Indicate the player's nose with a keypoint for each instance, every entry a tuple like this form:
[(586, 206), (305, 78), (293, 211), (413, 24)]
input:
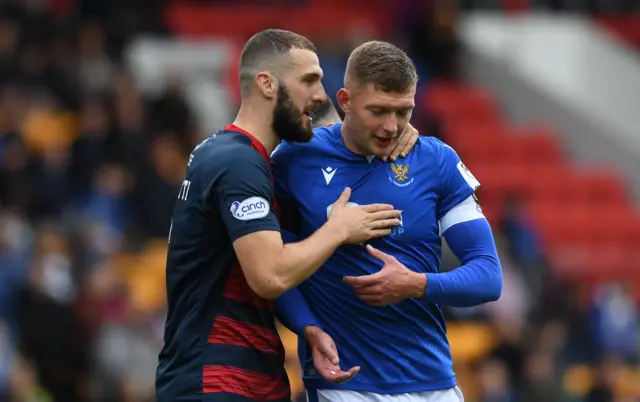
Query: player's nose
[(390, 125), (319, 96)]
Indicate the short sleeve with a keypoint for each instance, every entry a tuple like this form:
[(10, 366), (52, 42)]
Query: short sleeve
[(281, 160), (457, 182), (244, 195)]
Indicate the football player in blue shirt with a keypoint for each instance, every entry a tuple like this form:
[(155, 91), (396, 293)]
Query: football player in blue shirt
[(381, 302)]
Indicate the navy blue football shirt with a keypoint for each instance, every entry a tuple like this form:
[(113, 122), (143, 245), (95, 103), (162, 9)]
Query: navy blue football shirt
[(402, 347), (221, 343)]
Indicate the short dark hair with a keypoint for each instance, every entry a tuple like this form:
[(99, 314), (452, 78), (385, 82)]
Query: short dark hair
[(264, 52), (382, 64)]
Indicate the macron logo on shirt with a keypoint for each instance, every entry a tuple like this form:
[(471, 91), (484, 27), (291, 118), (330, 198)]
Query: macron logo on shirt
[(328, 173)]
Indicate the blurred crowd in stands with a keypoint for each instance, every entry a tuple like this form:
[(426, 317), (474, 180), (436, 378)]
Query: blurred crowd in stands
[(89, 172)]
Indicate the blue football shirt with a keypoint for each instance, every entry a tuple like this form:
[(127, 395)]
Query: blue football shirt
[(402, 347)]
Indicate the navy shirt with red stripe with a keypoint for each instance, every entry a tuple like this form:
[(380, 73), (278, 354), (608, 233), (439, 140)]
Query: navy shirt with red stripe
[(221, 343)]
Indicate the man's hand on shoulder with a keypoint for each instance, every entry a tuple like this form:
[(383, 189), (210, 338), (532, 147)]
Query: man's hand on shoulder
[(392, 284), (325, 356), (404, 144)]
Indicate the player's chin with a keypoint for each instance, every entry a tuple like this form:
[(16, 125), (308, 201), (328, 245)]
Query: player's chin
[(305, 135)]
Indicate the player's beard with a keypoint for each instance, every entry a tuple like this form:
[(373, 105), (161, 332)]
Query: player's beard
[(287, 119)]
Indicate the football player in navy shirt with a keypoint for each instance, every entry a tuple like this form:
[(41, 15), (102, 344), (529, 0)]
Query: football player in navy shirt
[(381, 303), (226, 258)]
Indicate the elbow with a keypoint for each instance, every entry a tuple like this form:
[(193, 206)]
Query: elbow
[(494, 290), (267, 288), (265, 281)]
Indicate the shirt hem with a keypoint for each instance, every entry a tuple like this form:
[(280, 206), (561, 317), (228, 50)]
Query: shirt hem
[(317, 383)]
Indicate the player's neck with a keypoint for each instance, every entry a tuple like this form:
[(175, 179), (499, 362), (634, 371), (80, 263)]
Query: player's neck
[(256, 123), (346, 138)]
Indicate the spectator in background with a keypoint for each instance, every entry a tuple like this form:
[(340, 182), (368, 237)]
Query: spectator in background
[(94, 65), (516, 225), (514, 305), (614, 322), (50, 334), (15, 238), (158, 182), (430, 30), (73, 140), (524, 244), (24, 385), (92, 148), (495, 383), (7, 358)]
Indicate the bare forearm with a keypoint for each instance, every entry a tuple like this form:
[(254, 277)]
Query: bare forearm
[(298, 261), (272, 268)]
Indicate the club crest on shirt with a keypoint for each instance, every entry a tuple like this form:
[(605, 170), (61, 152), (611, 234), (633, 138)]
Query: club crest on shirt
[(399, 174)]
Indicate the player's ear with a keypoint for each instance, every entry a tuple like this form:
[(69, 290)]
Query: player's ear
[(343, 99), (267, 84)]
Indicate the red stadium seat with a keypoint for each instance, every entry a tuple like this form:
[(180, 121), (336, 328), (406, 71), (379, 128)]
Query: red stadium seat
[(496, 181), (240, 21), (472, 130), (588, 264), (631, 233), (494, 149), (554, 184), (585, 218), (492, 210), (537, 147), (609, 227), (604, 187), (624, 27), (460, 103)]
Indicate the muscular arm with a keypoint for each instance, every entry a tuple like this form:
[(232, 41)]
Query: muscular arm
[(243, 192), (271, 267)]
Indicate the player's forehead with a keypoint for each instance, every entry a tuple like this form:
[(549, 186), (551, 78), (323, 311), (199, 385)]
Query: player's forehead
[(303, 62), (373, 96)]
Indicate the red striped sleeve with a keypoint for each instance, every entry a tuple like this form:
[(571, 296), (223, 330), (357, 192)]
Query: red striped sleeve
[(227, 331), (236, 288), (253, 385)]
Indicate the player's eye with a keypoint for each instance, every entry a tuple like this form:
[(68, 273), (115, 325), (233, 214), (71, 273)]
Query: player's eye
[(378, 112), (403, 113), (311, 79)]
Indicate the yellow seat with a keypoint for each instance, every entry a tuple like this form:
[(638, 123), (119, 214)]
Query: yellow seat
[(470, 341), (43, 130), (578, 380), (294, 371), (143, 274)]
